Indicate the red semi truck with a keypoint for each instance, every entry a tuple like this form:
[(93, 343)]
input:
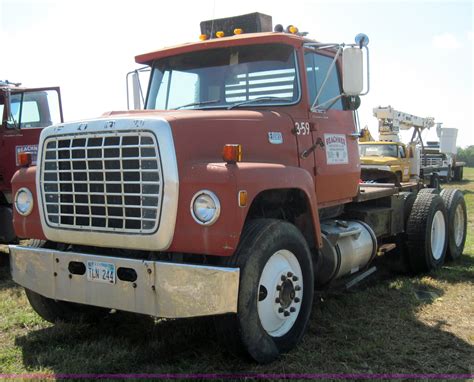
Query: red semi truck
[(25, 112), (235, 193)]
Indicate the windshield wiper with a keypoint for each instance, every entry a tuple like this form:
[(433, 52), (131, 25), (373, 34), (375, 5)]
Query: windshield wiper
[(197, 103), (258, 99)]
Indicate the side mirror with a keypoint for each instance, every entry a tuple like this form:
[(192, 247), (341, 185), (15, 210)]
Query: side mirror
[(137, 92), (352, 71)]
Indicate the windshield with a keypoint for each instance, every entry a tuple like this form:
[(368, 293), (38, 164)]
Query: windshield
[(378, 151), (220, 78)]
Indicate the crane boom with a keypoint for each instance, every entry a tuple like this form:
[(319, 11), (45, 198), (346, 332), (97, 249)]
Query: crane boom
[(391, 121)]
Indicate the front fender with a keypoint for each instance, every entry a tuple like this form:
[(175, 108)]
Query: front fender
[(27, 226), (226, 180)]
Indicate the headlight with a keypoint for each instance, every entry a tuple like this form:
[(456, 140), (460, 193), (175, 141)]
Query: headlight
[(205, 207), (24, 201)]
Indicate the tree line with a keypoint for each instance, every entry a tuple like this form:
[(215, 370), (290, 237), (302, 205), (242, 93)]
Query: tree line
[(466, 155)]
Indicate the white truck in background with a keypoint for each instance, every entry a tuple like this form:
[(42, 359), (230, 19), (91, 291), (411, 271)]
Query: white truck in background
[(442, 154)]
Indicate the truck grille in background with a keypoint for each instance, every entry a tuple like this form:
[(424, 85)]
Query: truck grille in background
[(432, 162), (102, 182)]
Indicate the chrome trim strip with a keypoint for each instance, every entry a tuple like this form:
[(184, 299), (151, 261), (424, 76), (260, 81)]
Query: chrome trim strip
[(161, 289)]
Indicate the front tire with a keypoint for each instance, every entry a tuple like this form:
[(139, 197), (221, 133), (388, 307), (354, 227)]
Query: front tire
[(276, 289), (61, 311)]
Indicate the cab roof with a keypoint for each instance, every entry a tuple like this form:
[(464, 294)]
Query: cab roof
[(236, 40)]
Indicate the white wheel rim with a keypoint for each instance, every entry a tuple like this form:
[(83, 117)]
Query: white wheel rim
[(459, 225), (280, 293), (438, 235)]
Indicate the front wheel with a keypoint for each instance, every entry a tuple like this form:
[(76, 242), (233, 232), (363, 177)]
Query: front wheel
[(276, 289)]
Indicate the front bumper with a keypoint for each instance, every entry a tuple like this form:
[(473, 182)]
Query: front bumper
[(376, 167), (161, 289)]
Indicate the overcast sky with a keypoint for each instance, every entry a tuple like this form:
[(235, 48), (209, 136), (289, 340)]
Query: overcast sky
[(421, 51)]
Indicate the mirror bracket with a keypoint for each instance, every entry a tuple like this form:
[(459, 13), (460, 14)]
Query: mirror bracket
[(7, 112), (352, 102)]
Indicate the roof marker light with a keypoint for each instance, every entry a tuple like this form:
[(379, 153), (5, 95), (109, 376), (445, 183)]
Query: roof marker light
[(203, 37), (220, 34), (278, 28), (292, 29), (238, 31)]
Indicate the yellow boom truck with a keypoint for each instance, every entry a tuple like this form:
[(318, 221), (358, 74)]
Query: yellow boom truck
[(388, 160)]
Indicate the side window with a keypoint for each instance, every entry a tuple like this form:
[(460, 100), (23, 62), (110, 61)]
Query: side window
[(38, 109), (317, 67)]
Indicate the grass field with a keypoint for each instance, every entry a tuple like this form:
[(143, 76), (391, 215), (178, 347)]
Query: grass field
[(390, 324)]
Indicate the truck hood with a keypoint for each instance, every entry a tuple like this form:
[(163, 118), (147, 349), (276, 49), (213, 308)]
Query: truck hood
[(379, 161), (200, 135)]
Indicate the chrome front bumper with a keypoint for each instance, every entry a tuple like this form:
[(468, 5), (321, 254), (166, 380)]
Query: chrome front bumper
[(161, 289)]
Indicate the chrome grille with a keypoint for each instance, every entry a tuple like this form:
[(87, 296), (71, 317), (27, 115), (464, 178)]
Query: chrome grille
[(102, 182), (433, 161)]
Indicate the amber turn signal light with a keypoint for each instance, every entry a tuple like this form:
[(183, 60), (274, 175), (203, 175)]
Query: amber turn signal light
[(242, 198), (232, 153), (24, 159)]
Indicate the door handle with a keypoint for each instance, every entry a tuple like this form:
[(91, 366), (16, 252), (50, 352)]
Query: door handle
[(305, 154)]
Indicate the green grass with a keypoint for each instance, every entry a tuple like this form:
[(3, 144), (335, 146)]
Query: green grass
[(379, 327)]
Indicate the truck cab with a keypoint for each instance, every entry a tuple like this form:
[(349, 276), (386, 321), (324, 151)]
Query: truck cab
[(386, 156), (25, 112)]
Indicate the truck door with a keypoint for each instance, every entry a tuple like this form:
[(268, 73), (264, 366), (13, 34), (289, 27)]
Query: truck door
[(405, 163), (337, 152)]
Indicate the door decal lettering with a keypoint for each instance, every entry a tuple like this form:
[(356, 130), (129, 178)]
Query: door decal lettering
[(336, 149)]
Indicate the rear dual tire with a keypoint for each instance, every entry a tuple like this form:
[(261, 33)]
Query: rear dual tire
[(427, 233), (457, 222)]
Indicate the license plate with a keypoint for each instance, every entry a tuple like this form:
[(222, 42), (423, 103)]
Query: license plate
[(101, 272)]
